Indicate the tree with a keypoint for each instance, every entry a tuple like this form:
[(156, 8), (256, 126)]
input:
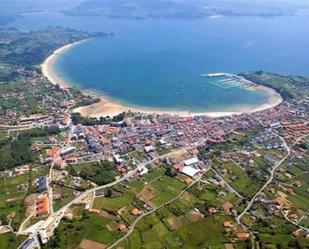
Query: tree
[(108, 193)]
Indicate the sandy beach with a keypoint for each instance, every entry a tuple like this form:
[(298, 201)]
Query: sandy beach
[(108, 107), (111, 108), (47, 66)]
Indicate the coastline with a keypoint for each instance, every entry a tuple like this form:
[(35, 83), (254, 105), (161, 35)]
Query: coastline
[(111, 108), (107, 107), (47, 65)]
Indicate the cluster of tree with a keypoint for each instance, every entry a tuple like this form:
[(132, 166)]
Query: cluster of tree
[(17, 151), (84, 102), (77, 118), (31, 48), (100, 173), (21, 150), (171, 172), (43, 132), (304, 146), (9, 76)]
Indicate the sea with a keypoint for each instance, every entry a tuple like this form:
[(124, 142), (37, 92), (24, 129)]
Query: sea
[(158, 63)]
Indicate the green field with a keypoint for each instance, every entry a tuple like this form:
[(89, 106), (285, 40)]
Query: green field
[(169, 226), (244, 184), (294, 170), (91, 227), (152, 233), (10, 240)]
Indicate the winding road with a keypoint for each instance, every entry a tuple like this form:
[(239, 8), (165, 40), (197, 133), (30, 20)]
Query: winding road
[(276, 166)]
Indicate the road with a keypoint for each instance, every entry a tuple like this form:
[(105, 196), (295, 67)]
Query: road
[(55, 218), (226, 183), (131, 229), (293, 222), (276, 166), (50, 175), (125, 177)]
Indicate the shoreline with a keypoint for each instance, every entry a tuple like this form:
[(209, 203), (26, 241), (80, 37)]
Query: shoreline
[(47, 66), (107, 107)]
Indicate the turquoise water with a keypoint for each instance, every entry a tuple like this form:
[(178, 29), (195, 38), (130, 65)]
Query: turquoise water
[(158, 63)]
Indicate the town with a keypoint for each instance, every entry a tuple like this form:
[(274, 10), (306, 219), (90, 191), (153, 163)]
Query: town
[(150, 179)]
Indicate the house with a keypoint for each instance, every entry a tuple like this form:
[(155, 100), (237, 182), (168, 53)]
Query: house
[(135, 212), (298, 233), (212, 210), (42, 206), (118, 159), (280, 201), (297, 183), (178, 167), (59, 163), (94, 210), (122, 227), (67, 151), (149, 148), (227, 206), (293, 217), (191, 161), (54, 152), (227, 224), (29, 244), (222, 184), (71, 160), (242, 235), (42, 184), (143, 171), (190, 171), (229, 246), (22, 170)]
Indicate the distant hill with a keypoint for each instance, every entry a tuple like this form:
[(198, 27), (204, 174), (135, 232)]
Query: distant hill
[(188, 8), (11, 7), (143, 9)]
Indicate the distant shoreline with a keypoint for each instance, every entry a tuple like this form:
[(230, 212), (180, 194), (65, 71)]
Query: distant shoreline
[(108, 107)]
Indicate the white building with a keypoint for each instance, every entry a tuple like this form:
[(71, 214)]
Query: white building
[(190, 171), (191, 161), (143, 171), (118, 159), (149, 148), (67, 150)]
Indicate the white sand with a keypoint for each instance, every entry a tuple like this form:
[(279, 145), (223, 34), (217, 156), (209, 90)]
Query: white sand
[(47, 66), (112, 108)]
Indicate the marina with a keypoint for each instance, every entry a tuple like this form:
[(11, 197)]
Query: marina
[(227, 80)]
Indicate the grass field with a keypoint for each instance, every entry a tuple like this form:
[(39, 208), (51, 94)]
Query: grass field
[(10, 240), (294, 170), (243, 183), (112, 203), (281, 239), (300, 198), (66, 196), (192, 236), (151, 232), (172, 226), (91, 227), (12, 196)]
